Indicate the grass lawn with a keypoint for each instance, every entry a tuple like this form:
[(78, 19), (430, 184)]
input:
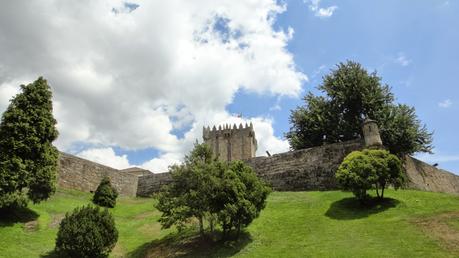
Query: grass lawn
[(294, 224)]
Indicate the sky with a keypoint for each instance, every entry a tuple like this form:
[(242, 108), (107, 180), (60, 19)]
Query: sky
[(134, 82)]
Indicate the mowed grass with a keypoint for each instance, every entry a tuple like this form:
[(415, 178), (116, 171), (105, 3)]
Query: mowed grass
[(294, 224)]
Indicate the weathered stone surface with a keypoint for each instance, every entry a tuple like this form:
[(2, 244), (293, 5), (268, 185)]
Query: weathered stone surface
[(230, 142), (307, 169), (152, 183), (423, 176), (84, 175)]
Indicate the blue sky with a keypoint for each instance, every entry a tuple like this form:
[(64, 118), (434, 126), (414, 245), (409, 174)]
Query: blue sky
[(137, 89), (413, 46)]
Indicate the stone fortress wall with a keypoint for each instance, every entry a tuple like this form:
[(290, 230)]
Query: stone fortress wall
[(84, 175), (307, 169)]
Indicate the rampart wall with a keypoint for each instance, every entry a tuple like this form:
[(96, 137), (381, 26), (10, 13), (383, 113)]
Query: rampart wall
[(422, 176), (307, 169), (149, 184), (84, 175)]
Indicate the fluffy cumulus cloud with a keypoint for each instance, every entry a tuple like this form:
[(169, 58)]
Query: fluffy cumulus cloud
[(105, 156), (130, 74), (321, 12)]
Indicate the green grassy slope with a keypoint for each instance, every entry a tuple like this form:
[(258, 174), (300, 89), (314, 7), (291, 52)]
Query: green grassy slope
[(294, 224)]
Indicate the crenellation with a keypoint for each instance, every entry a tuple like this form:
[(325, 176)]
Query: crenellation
[(230, 142), (306, 169)]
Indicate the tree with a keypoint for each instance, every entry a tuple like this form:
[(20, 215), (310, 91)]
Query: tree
[(105, 194), (241, 197), (363, 170), (28, 160), (350, 95), (188, 196), (86, 232), (229, 194)]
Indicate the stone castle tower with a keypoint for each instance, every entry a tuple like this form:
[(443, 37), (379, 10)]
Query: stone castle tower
[(231, 143)]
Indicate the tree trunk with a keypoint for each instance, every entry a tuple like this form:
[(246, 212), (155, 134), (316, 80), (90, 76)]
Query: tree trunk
[(377, 192), (211, 222), (382, 190), (201, 226)]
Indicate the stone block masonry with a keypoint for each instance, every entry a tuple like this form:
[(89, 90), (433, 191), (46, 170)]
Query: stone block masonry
[(84, 175), (307, 169), (300, 170), (152, 183)]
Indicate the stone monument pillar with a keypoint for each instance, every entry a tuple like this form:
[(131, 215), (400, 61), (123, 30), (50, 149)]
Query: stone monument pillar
[(371, 134)]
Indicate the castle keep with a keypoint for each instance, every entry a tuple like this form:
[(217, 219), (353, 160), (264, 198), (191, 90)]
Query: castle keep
[(231, 143), (299, 170)]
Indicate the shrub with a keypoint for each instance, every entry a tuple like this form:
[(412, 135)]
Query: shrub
[(86, 232), (363, 170), (241, 197), (210, 190), (105, 194)]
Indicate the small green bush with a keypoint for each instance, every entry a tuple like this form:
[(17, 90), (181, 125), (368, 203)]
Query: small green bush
[(363, 170), (105, 194), (86, 232)]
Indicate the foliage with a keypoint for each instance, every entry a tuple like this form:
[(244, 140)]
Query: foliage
[(240, 197), (227, 194), (316, 223), (362, 170), (87, 232), (105, 194), (350, 95), (28, 160)]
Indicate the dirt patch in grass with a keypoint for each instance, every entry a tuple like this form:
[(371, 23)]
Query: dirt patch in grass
[(56, 220), (31, 226), (150, 229), (146, 215), (440, 228)]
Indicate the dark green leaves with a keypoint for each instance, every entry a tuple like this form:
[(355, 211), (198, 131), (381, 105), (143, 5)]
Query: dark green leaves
[(27, 157), (105, 194), (350, 95), (229, 195)]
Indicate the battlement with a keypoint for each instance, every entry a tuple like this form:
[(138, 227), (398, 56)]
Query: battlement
[(230, 142)]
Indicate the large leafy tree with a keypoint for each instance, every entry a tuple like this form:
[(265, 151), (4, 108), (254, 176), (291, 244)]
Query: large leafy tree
[(28, 160), (209, 190), (349, 95)]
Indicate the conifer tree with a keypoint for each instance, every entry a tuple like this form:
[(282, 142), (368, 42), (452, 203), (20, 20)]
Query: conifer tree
[(105, 194), (28, 160)]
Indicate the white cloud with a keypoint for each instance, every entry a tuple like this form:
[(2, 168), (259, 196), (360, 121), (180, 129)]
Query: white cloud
[(314, 5), (105, 156), (402, 60), (445, 103), (162, 163), (128, 78)]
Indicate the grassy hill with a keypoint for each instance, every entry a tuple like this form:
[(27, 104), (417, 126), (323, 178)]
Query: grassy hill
[(294, 224)]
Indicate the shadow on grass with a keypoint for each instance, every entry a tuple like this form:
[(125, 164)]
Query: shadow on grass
[(190, 244), (50, 254), (9, 217), (351, 208)]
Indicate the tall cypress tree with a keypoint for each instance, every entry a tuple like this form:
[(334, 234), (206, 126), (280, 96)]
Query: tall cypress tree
[(28, 160)]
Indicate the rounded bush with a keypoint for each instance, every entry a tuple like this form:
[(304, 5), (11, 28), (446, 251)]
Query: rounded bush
[(105, 194), (86, 232), (366, 169)]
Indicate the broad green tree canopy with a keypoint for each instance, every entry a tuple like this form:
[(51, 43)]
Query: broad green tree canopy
[(351, 94)]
